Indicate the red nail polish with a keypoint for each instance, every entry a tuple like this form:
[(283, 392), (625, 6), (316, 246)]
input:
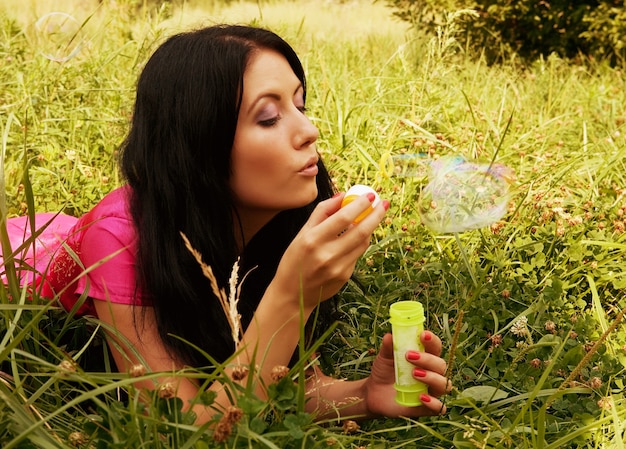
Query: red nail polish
[(386, 204), (428, 336), (371, 197), (424, 398), (419, 373), (336, 194), (413, 355)]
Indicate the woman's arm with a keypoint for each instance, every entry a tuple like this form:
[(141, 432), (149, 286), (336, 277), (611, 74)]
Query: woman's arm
[(318, 262), (374, 396), (134, 332), (267, 341), (315, 266)]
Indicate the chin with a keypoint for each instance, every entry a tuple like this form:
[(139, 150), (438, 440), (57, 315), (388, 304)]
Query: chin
[(306, 199), (313, 195)]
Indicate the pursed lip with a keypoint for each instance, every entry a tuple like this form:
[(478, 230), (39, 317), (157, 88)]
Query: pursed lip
[(310, 168)]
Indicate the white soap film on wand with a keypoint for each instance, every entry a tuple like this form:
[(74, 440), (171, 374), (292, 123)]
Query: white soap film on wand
[(59, 36), (462, 195)]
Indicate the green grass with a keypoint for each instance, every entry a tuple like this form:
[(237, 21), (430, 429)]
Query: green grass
[(556, 258)]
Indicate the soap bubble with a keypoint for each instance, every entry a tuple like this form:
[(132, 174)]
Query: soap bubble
[(59, 36), (463, 195), (404, 165)]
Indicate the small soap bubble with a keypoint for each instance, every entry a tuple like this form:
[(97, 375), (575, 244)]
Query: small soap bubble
[(59, 36), (463, 195), (404, 165)]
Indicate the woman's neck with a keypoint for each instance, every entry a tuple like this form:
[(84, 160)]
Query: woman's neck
[(248, 223)]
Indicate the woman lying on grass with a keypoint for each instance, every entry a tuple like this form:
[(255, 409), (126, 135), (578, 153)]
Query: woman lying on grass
[(220, 151)]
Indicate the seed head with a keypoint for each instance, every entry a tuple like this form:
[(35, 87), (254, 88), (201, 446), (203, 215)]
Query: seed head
[(137, 370), (166, 390), (519, 327), (550, 326), (350, 427), (240, 372), (77, 439), (605, 403), (496, 340), (225, 425), (278, 372), (535, 363), (67, 367), (595, 382)]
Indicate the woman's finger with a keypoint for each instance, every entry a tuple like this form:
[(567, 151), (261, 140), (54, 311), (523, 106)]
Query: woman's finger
[(438, 384), (432, 343), (433, 405), (332, 220)]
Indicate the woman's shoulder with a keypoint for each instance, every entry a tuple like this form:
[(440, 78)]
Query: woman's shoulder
[(109, 218), (104, 240), (114, 204)]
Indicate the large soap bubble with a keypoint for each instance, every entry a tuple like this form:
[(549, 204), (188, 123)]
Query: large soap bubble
[(463, 195), (59, 36)]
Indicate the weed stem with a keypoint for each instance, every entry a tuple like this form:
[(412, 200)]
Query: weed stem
[(585, 360)]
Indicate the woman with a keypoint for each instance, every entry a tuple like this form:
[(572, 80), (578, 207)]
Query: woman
[(220, 151)]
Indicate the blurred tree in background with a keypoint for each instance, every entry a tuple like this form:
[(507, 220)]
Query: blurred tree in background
[(528, 28)]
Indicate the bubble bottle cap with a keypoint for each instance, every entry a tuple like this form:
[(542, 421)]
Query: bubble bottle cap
[(358, 190)]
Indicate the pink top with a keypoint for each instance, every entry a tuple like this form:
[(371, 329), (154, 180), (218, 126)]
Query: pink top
[(94, 255)]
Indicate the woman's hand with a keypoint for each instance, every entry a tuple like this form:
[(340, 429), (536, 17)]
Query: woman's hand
[(322, 257), (379, 393)]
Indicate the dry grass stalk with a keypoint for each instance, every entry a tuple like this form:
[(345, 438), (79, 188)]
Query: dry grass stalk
[(585, 360), (455, 342), (228, 303)]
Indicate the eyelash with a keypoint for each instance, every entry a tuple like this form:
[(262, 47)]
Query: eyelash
[(271, 122)]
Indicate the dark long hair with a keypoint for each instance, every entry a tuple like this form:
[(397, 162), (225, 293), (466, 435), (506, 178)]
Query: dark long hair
[(177, 161)]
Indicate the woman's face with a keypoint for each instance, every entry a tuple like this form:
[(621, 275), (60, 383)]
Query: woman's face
[(274, 158)]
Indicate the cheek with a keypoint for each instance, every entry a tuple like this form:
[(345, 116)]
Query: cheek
[(252, 178), (255, 168), (252, 151), (258, 157)]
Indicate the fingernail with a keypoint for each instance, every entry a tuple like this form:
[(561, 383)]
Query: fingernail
[(428, 336), (336, 194), (371, 197), (386, 204), (424, 397), (413, 355), (419, 373)]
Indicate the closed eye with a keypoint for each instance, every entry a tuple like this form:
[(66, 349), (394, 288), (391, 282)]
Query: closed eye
[(269, 122)]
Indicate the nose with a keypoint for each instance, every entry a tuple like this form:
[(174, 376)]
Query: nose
[(307, 132)]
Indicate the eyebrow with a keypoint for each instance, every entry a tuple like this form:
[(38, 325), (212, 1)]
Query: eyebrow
[(273, 95)]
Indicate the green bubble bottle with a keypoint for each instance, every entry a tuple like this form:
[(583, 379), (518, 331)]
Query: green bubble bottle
[(407, 323)]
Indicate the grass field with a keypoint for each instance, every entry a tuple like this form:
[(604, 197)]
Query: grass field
[(530, 307)]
